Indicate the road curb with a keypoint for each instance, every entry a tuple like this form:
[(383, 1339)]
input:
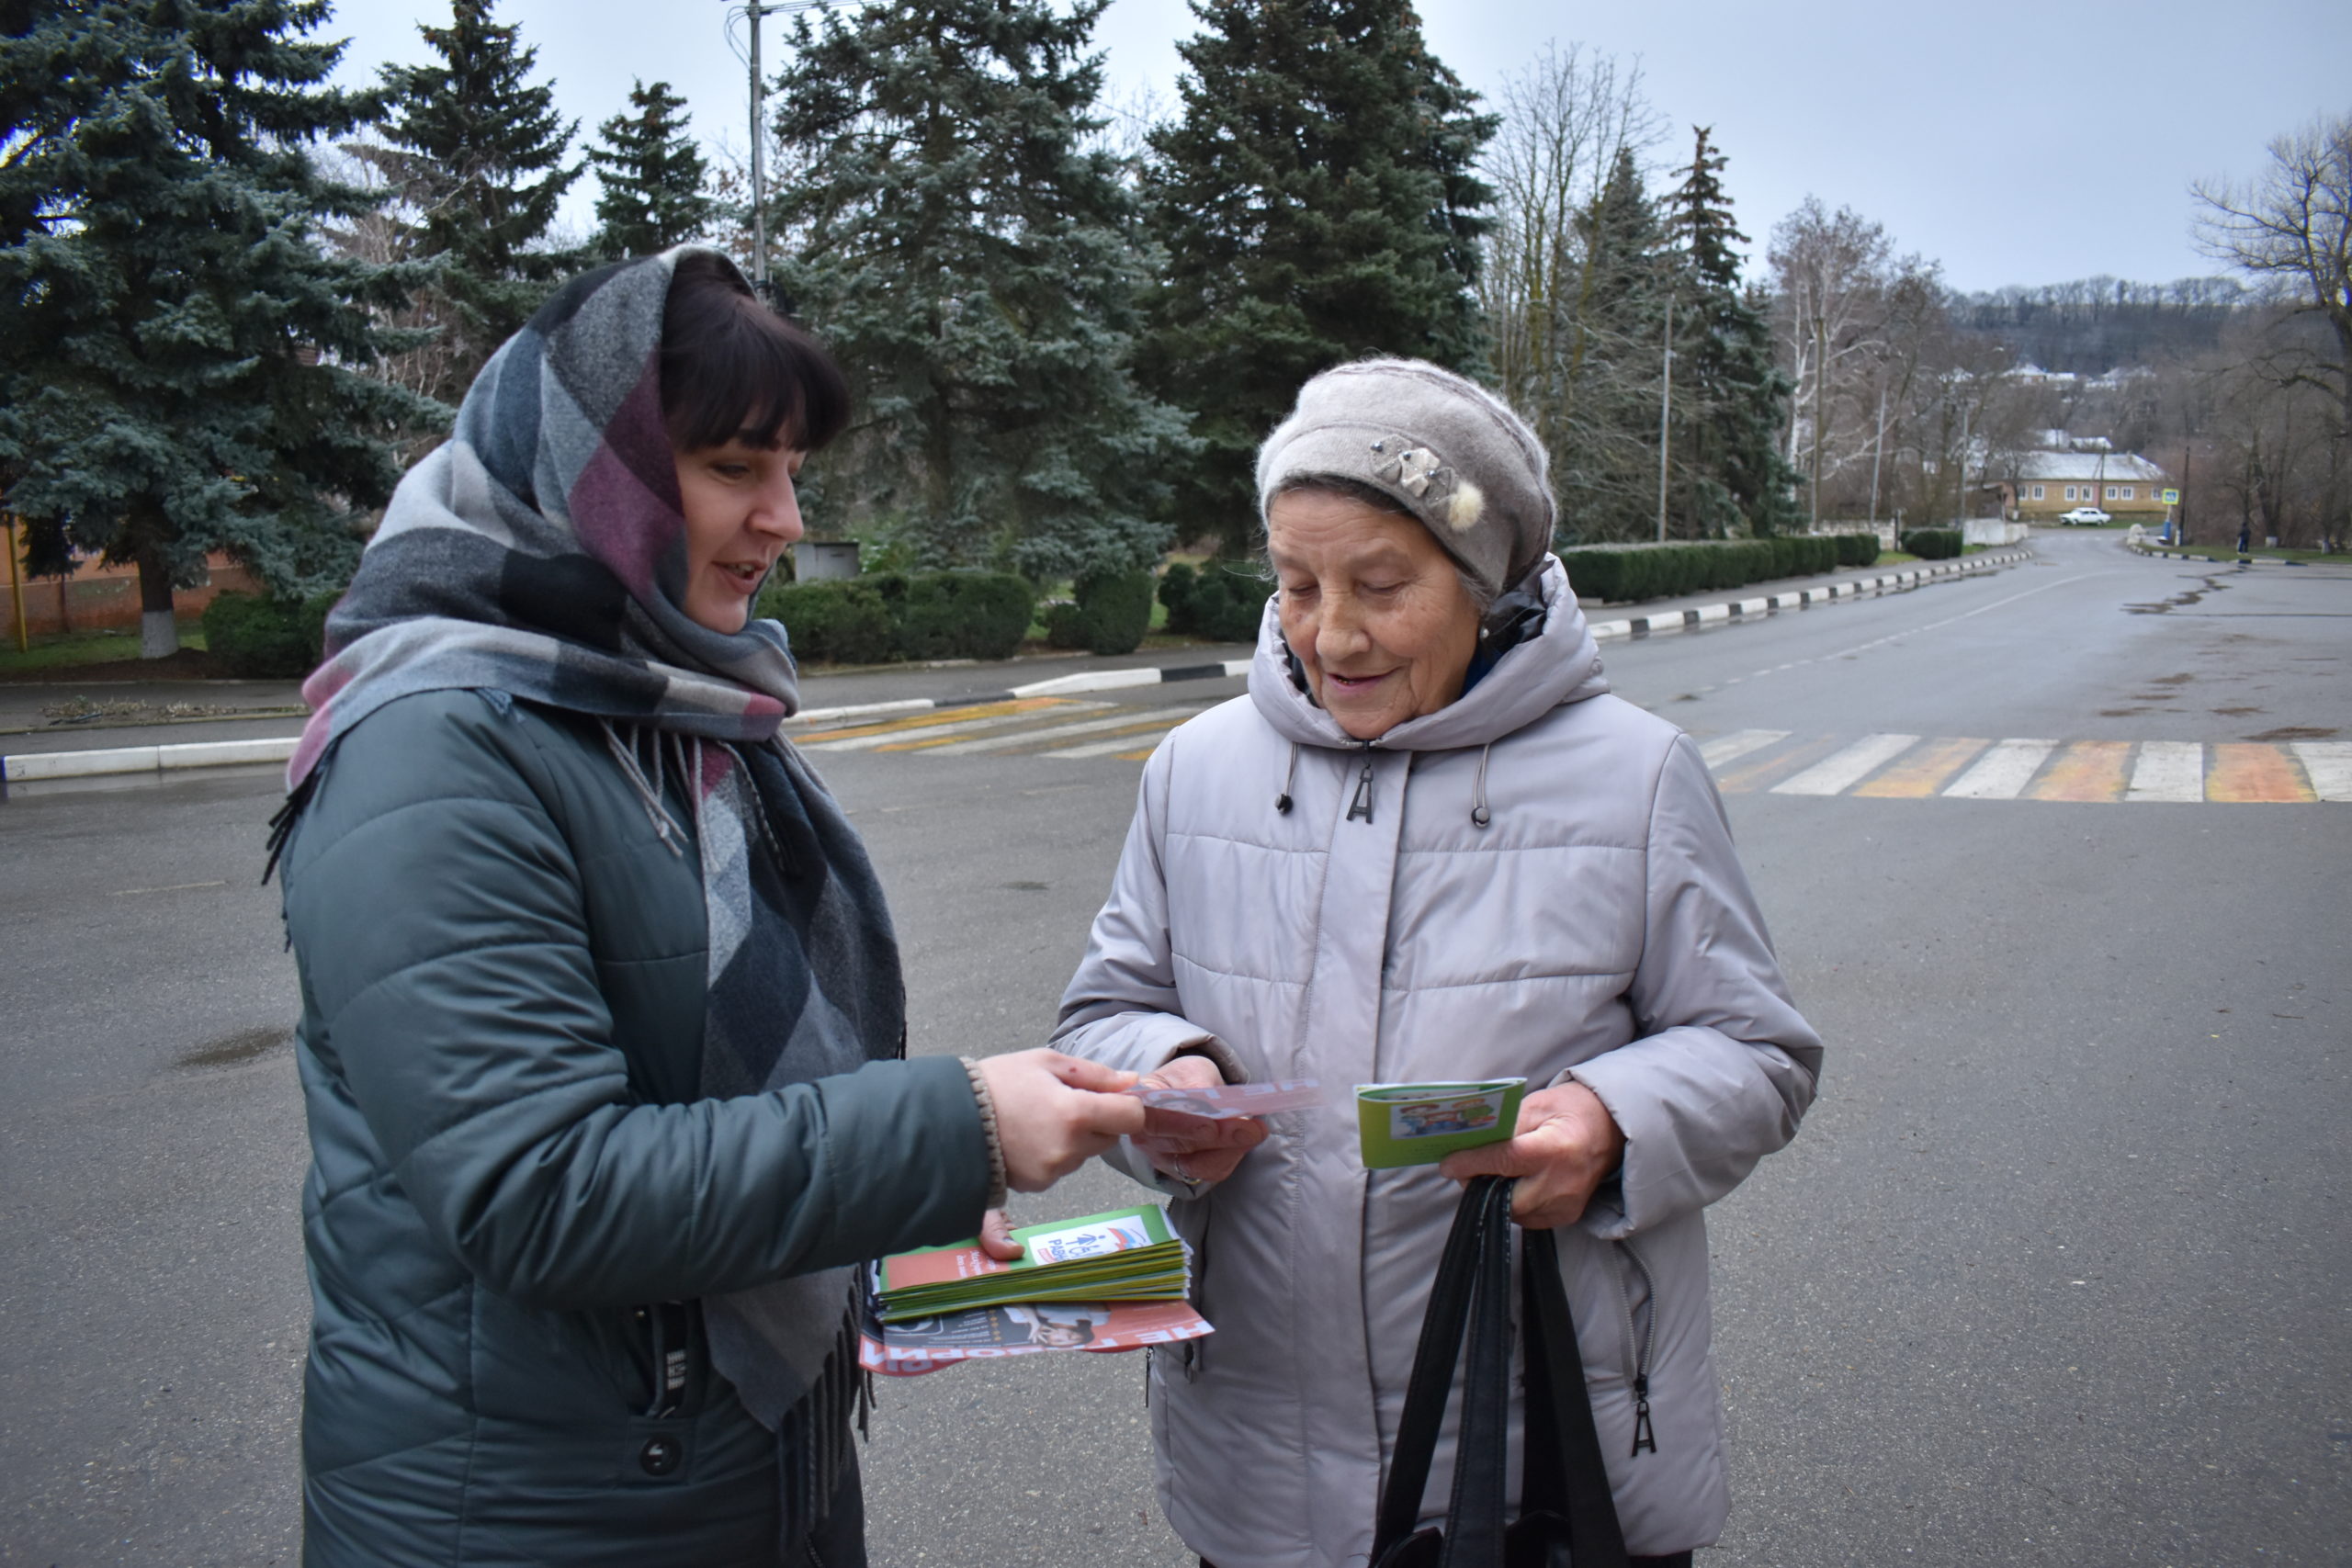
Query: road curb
[(2215, 561), (37, 765), (1801, 598)]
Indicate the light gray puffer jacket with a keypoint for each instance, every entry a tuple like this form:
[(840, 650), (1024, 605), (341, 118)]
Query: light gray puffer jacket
[(1598, 926)]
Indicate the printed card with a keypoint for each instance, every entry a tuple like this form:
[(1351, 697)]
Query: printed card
[(1402, 1124), (1222, 1101)]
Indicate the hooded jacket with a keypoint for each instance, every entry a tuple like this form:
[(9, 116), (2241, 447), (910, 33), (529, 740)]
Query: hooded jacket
[(1536, 880)]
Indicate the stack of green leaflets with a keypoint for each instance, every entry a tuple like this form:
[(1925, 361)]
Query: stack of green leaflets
[(1127, 1254), (1420, 1123)]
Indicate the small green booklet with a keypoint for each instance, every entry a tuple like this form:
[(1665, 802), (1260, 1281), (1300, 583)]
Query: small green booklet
[(1127, 1254), (1420, 1123)]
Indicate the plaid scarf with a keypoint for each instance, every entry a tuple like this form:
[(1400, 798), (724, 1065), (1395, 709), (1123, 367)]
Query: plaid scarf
[(541, 552)]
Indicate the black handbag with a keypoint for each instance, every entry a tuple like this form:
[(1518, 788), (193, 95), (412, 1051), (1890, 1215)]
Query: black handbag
[(1567, 1516)]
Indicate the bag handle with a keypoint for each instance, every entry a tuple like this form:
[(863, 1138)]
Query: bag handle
[(1565, 1473), (1433, 1378), (1474, 1524)]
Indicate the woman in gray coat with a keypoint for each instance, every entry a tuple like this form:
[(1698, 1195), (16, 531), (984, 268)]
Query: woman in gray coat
[(603, 1041), (1428, 845)]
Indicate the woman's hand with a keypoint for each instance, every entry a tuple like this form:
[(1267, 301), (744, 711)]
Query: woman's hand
[(1055, 1112), (1196, 1149), (1566, 1144), (996, 1236)]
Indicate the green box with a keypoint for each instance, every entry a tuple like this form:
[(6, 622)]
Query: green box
[(1420, 1123)]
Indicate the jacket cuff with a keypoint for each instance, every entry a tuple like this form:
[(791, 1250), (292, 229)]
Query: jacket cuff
[(987, 1103)]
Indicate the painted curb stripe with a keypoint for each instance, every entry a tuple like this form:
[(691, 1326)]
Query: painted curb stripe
[(144, 759)]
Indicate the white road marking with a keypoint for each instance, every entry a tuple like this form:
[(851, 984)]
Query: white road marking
[(2169, 770), (1023, 737), (1739, 743), (928, 731), (1836, 773), (1110, 747), (2329, 765), (2002, 773)]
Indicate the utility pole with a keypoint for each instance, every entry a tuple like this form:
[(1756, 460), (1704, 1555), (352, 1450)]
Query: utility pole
[(1820, 407), (1960, 494), (1878, 453), (1665, 414), (753, 12)]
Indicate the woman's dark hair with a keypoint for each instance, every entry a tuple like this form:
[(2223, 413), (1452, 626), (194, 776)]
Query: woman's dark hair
[(731, 366)]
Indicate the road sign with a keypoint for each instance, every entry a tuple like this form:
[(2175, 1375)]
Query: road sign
[(2171, 498)]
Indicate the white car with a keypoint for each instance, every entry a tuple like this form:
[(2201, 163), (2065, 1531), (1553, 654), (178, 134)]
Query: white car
[(2086, 517)]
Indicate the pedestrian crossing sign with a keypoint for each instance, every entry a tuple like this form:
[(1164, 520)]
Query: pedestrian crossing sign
[(2171, 498)]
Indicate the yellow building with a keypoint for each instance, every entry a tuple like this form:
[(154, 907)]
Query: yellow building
[(2048, 484)]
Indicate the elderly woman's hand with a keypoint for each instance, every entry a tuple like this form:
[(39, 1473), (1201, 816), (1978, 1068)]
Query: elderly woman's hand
[(1566, 1144), (1195, 1148)]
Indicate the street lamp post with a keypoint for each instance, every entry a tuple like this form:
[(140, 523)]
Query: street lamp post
[(753, 12)]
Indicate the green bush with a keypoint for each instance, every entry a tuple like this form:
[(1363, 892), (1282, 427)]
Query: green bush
[(1219, 603), (1628, 573), (267, 640), (845, 621), (1112, 612), (1932, 543), (965, 614), (1856, 549)]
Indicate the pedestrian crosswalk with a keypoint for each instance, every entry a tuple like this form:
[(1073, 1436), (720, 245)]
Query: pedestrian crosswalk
[(1890, 765), (1898, 766)]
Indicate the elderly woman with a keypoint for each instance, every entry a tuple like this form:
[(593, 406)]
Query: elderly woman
[(603, 1034), (1428, 845)]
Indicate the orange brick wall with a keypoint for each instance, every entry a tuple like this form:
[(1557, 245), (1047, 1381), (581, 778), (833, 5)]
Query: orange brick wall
[(106, 598)]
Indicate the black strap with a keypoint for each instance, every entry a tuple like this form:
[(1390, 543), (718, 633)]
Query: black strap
[(1474, 1525), (1565, 1476), (1565, 1473), (1433, 1378)]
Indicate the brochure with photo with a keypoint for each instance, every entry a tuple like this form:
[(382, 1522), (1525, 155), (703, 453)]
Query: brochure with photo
[(1125, 1255), (1420, 1123), (915, 1346)]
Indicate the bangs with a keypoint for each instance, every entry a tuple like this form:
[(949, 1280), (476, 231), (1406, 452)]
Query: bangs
[(732, 368)]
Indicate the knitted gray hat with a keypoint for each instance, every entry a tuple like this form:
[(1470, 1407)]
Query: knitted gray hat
[(1444, 449)]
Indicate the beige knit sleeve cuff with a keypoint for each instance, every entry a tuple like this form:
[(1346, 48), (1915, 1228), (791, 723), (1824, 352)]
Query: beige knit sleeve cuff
[(986, 1103)]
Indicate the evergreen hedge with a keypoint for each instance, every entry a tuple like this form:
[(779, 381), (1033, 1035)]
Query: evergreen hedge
[(267, 640), (1112, 615), (1622, 572), (1219, 603), (1856, 549), (1933, 544), (890, 616)]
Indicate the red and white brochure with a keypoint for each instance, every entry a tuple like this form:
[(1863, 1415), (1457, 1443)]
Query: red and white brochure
[(909, 1349)]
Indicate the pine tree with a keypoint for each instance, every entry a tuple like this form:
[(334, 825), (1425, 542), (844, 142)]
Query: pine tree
[(477, 155), (1732, 397), (953, 237), (1318, 203), (1604, 451), (653, 177), (180, 366)]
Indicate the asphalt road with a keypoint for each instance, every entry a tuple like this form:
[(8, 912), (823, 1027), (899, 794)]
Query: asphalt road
[(2056, 1273)]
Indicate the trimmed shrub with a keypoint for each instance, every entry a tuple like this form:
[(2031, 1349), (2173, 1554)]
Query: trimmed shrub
[(845, 621), (1856, 549), (1218, 602), (267, 640), (1627, 573), (965, 614), (1933, 544), (1112, 615)]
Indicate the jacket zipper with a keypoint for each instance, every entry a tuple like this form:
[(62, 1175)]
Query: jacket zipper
[(1643, 1326), (1361, 804)]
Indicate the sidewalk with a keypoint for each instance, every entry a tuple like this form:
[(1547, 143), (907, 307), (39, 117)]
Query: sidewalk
[(255, 725)]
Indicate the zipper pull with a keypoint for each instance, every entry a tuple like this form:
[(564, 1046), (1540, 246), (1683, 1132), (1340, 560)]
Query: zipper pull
[(1361, 804), (1644, 1438)]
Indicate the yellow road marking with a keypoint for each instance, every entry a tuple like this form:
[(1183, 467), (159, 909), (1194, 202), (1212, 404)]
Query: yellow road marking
[(936, 715), (2085, 770), (2255, 774), (1739, 781), (1926, 772)]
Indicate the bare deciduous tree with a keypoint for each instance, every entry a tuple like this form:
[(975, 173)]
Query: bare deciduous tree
[(2292, 226)]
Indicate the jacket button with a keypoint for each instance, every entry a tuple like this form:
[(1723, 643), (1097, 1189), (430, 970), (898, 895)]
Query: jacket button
[(660, 1456)]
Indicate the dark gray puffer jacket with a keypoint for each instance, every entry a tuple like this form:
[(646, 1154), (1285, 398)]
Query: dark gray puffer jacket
[(503, 983)]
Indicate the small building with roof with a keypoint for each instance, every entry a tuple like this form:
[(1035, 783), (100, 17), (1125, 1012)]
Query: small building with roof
[(2041, 486)]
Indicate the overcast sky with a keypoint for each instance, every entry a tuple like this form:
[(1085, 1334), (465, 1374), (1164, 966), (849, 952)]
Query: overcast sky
[(2012, 140)]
